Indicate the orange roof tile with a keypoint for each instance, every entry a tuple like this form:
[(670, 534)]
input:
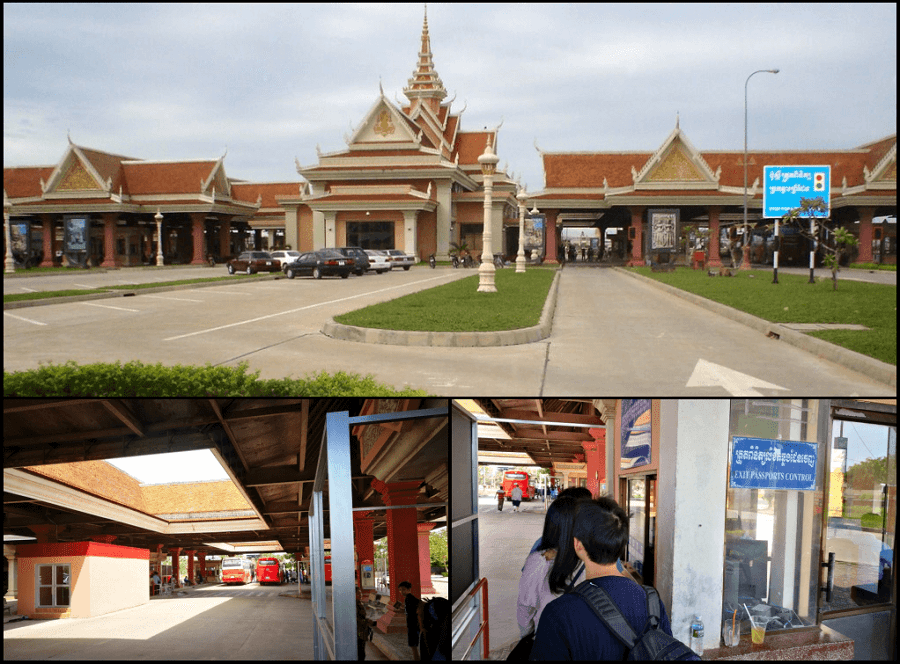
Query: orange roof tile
[(181, 177), (25, 181), (184, 497), (98, 478)]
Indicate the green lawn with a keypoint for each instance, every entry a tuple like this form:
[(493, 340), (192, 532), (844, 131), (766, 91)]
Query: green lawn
[(458, 307), (794, 300)]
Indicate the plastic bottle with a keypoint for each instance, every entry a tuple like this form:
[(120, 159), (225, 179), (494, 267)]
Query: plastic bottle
[(697, 635)]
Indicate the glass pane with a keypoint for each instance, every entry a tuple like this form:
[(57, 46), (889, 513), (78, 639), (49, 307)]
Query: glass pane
[(45, 575), (861, 513), (46, 596), (772, 535), (62, 575), (62, 596), (636, 523)]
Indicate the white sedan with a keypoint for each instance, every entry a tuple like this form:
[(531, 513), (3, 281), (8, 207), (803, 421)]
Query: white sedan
[(378, 261), (399, 259), (283, 257)]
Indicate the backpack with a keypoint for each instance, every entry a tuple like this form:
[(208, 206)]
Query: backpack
[(653, 643)]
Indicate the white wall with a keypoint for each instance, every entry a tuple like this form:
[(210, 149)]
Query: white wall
[(691, 512)]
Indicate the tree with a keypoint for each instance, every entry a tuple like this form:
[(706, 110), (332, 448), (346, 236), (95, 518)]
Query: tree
[(438, 541), (832, 245)]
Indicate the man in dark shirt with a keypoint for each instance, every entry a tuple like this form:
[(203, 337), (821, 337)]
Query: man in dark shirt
[(569, 628), (411, 603)]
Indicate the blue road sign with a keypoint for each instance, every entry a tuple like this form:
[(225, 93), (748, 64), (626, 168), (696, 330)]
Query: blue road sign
[(784, 186)]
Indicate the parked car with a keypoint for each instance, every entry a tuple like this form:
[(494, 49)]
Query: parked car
[(284, 256), (400, 259), (360, 259), (253, 261), (378, 260), (320, 263)]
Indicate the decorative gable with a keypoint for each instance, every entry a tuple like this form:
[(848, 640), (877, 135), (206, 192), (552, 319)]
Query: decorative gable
[(383, 124), (676, 164), (77, 178)]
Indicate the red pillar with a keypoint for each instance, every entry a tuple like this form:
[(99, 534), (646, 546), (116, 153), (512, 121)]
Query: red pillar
[(865, 234), (425, 557), (198, 222), (637, 242), (714, 259), (176, 566), (225, 239), (364, 538), (202, 556), (190, 561), (403, 547), (44, 534), (109, 240), (550, 234), (105, 539), (47, 237), (595, 456)]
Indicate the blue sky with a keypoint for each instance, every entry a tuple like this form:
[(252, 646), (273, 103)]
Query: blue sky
[(271, 82)]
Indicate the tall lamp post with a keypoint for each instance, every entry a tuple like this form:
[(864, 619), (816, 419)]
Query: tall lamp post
[(488, 162), (520, 257), (9, 263), (745, 259), (159, 239)]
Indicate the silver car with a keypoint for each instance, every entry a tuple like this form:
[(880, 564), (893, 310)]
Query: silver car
[(400, 259), (284, 256), (378, 261)]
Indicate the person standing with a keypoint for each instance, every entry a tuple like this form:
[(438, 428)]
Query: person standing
[(411, 603), (516, 497), (501, 494), (363, 627)]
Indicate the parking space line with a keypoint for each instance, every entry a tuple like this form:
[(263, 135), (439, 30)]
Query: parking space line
[(178, 299), (106, 306), (27, 320), (293, 311)]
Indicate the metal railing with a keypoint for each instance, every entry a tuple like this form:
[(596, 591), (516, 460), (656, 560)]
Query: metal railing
[(483, 626)]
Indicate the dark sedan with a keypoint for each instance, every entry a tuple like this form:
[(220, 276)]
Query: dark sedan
[(253, 261), (320, 264)]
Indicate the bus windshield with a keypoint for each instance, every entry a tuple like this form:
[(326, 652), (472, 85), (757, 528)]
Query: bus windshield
[(232, 562), (268, 562)]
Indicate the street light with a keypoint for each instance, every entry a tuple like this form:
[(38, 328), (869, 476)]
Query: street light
[(520, 257), (159, 239), (488, 162), (745, 259)]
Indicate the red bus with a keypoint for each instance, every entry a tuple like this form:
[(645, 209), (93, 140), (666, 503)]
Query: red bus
[(512, 478), (237, 570), (328, 566), (269, 570)]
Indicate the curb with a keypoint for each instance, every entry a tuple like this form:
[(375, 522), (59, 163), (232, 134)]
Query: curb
[(850, 359), (525, 335), (24, 304)]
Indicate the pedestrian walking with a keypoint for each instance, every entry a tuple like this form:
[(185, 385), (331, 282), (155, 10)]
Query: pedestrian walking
[(516, 496), (501, 494)]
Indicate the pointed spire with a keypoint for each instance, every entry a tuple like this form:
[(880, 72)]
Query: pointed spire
[(425, 86)]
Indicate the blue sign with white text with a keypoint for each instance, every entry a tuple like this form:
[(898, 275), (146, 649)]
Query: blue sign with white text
[(784, 186), (765, 463)]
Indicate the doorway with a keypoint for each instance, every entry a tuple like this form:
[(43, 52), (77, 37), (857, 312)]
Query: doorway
[(638, 498)]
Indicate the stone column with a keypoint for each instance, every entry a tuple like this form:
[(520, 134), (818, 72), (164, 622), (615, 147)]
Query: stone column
[(714, 259), (410, 236), (637, 244), (363, 536), (423, 530), (595, 456), (11, 586), (550, 235), (176, 552), (109, 240), (403, 548), (865, 234), (198, 223), (47, 240), (190, 561), (330, 229)]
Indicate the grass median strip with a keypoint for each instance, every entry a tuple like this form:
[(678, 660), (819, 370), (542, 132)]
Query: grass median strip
[(794, 300), (42, 295), (458, 307)]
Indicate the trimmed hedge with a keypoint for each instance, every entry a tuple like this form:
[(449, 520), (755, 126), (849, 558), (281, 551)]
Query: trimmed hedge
[(135, 379)]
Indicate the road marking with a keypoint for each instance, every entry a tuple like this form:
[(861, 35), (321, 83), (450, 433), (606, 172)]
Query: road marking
[(30, 290), (85, 286), (27, 320), (178, 299), (106, 306), (293, 311), (734, 382)]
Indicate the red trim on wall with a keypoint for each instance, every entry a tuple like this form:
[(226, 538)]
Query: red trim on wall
[(78, 549)]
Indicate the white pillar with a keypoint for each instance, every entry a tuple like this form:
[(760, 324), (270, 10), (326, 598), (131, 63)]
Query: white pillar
[(318, 230), (692, 484), (443, 216), (330, 229), (410, 244), (488, 161)]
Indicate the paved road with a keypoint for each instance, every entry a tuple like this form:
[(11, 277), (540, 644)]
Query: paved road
[(249, 622), (611, 335)]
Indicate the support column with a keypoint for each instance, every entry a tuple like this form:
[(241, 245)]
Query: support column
[(190, 561), (44, 534), (198, 223), (714, 259), (202, 557), (403, 548), (47, 240), (12, 577), (550, 235), (364, 538), (410, 237), (865, 234), (423, 530), (109, 241), (330, 229), (176, 564), (595, 456), (225, 239), (637, 242)]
